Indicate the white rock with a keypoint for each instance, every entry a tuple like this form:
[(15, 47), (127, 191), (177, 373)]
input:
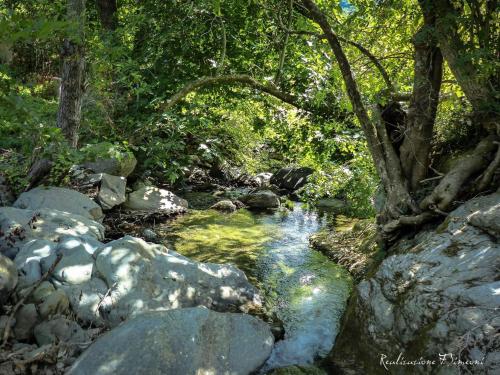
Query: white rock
[(146, 277), (60, 199), (150, 198)]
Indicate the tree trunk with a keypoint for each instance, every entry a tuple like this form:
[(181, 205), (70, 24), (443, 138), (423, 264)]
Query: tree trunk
[(428, 72), (72, 77), (476, 89), (386, 160), (107, 14)]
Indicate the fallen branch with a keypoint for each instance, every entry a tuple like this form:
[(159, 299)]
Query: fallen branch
[(45, 276)]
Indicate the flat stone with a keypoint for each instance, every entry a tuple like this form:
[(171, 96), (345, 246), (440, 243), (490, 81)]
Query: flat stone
[(181, 341), (60, 199)]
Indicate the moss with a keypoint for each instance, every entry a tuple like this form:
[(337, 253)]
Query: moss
[(209, 236)]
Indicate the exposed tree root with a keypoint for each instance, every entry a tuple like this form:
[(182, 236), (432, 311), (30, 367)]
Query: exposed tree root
[(448, 188)]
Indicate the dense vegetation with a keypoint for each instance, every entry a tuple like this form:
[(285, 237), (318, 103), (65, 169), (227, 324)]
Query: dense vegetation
[(368, 93)]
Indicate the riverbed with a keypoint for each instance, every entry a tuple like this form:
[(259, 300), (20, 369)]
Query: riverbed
[(301, 287)]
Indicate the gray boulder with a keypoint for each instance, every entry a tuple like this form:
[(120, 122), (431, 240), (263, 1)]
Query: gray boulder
[(55, 303), (112, 191), (291, 179), (145, 276), (86, 299), (60, 330), (18, 227), (150, 198), (26, 319), (112, 161), (263, 179), (437, 294), (8, 278), (261, 199), (183, 341), (60, 199), (224, 206)]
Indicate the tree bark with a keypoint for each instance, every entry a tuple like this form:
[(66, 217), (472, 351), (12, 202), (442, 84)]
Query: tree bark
[(460, 60), (399, 201), (107, 10), (428, 73), (72, 77)]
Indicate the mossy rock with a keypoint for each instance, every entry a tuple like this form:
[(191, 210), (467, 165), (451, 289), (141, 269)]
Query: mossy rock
[(109, 158)]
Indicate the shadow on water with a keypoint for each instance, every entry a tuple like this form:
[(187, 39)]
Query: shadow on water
[(304, 289)]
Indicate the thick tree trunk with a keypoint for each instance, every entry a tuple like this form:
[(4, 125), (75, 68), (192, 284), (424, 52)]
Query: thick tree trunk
[(72, 77), (474, 85), (108, 14), (428, 72), (386, 160)]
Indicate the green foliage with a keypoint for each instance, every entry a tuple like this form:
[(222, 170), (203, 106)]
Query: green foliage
[(355, 181)]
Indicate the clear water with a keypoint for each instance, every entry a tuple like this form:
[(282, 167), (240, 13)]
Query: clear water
[(305, 290)]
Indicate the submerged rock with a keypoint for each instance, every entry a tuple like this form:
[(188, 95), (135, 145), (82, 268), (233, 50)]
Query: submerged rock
[(60, 199), (145, 276), (437, 294), (182, 341), (261, 199), (150, 198)]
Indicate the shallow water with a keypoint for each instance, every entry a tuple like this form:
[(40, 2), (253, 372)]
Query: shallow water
[(305, 290)]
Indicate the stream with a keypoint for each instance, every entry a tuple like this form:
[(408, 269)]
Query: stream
[(302, 287)]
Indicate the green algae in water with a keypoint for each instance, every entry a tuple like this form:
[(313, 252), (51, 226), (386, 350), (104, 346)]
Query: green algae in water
[(211, 236)]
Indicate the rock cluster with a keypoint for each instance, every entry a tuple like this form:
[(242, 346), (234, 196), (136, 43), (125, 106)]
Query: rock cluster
[(142, 291)]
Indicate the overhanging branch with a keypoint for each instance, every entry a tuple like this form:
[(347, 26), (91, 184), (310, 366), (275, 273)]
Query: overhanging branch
[(245, 80)]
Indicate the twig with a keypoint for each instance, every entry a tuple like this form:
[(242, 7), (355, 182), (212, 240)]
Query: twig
[(22, 300)]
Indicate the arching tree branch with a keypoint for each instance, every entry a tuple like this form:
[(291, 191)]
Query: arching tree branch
[(249, 81)]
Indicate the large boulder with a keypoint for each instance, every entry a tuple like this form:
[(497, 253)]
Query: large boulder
[(182, 341), (112, 191), (18, 227), (8, 278), (143, 276), (438, 294), (107, 158), (261, 199), (60, 199), (291, 179), (153, 199)]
